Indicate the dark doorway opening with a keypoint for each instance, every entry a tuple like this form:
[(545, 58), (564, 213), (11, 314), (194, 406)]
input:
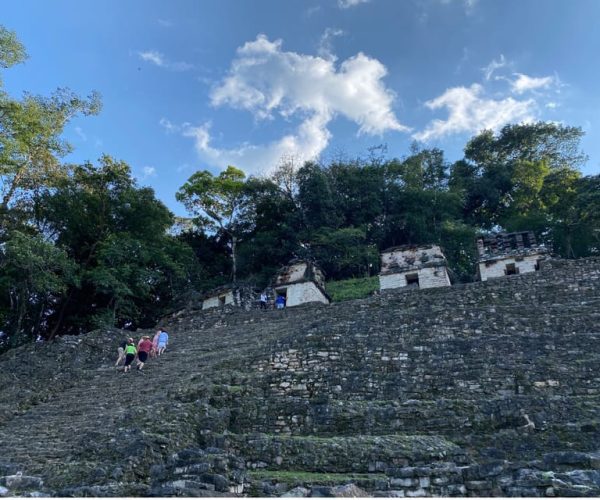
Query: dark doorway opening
[(412, 280)]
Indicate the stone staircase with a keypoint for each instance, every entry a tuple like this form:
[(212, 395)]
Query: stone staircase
[(481, 389)]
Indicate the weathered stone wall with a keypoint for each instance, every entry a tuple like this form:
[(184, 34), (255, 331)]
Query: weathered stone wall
[(429, 277), (302, 293), (503, 341), (405, 258), (211, 302), (497, 268), (489, 388), (294, 272)]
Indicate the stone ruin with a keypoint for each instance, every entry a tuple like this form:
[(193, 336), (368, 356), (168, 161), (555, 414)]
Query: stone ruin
[(236, 295), (301, 282), (412, 266), (484, 389), (504, 254)]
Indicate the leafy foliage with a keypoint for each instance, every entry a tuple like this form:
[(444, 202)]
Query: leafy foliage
[(353, 288), (83, 246)]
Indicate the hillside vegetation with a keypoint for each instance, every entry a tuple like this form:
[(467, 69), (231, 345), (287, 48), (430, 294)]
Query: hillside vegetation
[(85, 246), (353, 288)]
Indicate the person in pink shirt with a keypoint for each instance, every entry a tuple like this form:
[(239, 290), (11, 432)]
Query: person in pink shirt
[(154, 351), (144, 348)]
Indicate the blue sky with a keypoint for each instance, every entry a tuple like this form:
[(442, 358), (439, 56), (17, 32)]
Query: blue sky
[(191, 85)]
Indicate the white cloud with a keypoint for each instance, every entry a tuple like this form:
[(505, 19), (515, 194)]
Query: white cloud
[(469, 5), (525, 83), (470, 111), (325, 44), (489, 70), (148, 172), (165, 23), (81, 134), (168, 126), (264, 79), (153, 57), (269, 83), (346, 4), (158, 59), (307, 143), (312, 10)]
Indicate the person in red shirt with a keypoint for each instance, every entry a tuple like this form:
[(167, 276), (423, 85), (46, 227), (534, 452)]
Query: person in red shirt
[(144, 348)]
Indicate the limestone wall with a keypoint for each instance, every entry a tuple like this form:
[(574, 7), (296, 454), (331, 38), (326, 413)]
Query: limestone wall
[(406, 258), (525, 343), (214, 301), (496, 268), (302, 293), (295, 272), (429, 277)]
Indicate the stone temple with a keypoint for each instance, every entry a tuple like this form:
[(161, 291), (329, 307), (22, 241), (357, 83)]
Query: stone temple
[(413, 267), (504, 254), (301, 282), (238, 295)]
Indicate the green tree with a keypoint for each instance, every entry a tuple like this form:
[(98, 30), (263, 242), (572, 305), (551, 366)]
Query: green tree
[(34, 274), (272, 229), (316, 198), (345, 253), (487, 176), (129, 268), (30, 133), (12, 51), (523, 207), (218, 204)]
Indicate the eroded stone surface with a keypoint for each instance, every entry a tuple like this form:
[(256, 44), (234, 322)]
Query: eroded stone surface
[(488, 389)]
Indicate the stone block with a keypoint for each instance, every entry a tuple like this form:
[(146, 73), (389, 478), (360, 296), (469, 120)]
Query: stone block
[(19, 482), (416, 493), (424, 482), (348, 491), (321, 491), (406, 482), (567, 458), (299, 491), (478, 485), (393, 494)]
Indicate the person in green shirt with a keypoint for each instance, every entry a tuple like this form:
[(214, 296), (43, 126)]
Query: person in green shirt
[(130, 352)]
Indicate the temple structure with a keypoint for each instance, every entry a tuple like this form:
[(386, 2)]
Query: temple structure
[(503, 254), (239, 295), (301, 282), (413, 266)]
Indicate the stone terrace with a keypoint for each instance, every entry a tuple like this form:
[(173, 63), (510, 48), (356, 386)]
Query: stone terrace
[(481, 389)]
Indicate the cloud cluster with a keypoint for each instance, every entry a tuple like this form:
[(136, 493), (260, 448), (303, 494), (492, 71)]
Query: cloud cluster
[(147, 172), (269, 82), (311, 90), (158, 59), (470, 111), (525, 83), (489, 70), (346, 4)]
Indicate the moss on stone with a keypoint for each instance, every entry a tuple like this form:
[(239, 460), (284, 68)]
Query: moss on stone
[(303, 477)]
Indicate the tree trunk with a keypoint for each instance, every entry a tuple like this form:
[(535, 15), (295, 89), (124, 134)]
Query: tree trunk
[(61, 315), (233, 258), (22, 309)]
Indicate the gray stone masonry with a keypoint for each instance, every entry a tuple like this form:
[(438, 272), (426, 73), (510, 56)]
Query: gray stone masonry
[(485, 389)]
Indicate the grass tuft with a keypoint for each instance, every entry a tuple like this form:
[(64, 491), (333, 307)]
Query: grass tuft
[(355, 288)]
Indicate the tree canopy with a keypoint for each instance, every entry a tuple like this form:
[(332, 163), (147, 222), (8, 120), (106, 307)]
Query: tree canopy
[(84, 246)]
